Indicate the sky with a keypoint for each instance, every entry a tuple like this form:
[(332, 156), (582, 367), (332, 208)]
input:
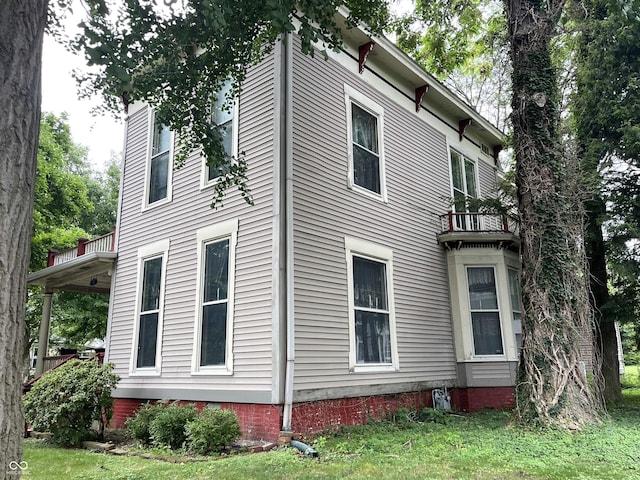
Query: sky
[(59, 94)]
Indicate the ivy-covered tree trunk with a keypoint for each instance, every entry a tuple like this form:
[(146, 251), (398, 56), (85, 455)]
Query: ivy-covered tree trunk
[(22, 24), (552, 387)]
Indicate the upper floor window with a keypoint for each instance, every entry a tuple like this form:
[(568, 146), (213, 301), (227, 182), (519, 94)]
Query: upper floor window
[(464, 184), (151, 274), (159, 167), (365, 136), (371, 312), (485, 314), (224, 115), (214, 319)]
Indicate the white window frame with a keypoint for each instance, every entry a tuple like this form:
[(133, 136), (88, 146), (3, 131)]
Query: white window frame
[(501, 316), (352, 96), (147, 178), (476, 179), (148, 252), (220, 231), (515, 308), (378, 253), (204, 171)]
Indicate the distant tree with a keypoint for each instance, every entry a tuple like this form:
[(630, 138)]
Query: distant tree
[(72, 201), (606, 107)]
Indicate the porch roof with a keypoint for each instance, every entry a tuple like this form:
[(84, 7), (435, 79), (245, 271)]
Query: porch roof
[(90, 272)]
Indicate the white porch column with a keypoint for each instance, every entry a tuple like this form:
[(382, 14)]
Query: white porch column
[(43, 339)]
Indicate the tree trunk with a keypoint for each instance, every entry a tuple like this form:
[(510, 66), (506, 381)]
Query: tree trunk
[(552, 387), (605, 337), (22, 24)]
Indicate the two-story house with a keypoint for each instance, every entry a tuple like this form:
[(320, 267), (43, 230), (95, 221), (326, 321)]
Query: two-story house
[(346, 289)]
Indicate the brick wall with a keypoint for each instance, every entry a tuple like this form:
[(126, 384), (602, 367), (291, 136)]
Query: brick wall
[(263, 422), (314, 417), (257, 422), (474, 399)]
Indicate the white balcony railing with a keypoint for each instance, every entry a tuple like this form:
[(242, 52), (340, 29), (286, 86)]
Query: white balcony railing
[(105, 243)]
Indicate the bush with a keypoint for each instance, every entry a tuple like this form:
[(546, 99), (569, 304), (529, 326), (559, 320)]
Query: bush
[(167, 428), (66, 401), (138, 425), (212, 430)]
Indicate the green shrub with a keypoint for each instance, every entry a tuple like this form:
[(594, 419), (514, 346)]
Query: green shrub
[(212, 430), (167, 428), (138, 425), (66, 401)]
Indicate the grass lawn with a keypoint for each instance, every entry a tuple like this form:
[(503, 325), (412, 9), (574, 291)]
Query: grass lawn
[(481, 446)]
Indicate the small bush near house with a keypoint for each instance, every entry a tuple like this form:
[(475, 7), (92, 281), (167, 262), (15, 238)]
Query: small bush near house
[(138, 425), (67, 400), (168, 427), (212, 431)]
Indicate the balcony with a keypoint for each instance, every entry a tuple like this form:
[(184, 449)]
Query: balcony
[(85, 267), (473, 229)]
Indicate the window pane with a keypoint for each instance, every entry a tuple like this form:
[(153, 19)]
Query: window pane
[(373, 339), (364, 128), (482, 288), (369, 284), (223, 105), (214, 336), (216, 271), (147, 339), (470, 176), (159, 177), (487, 338), (514, 290), (366, 169), (161, 138), (456, 171), (152, 274)]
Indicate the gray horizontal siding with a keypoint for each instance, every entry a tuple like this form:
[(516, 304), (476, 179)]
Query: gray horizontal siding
[(325, 211), (179, 221), (487, 178)]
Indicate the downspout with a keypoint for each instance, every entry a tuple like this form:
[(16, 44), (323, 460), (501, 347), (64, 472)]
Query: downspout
[(116, 239), (290, 314)]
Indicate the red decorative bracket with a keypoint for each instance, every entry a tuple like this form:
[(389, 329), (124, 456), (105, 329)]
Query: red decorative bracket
[(365, 50), (496, 151), (462, 126), (420, 91)]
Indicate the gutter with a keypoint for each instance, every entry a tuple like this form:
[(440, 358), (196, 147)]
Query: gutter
[(288, 207)]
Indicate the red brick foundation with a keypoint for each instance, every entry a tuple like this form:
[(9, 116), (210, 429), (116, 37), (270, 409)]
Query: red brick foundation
[(314, 417), (257, 422), (474, 399), (263, 422)]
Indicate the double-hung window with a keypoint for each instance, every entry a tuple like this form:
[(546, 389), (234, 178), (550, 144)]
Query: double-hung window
[(514, 295), (224, 115), (214, 316), (463, 180), (152, 261), (371, 312), (159, 168), (485, 314), (365, 135)]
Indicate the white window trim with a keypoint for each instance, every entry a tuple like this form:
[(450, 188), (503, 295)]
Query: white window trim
[(353, 96), (362, 248), (147, 176), (204, 171), (219, 231), (500, 309), (156, 249)]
